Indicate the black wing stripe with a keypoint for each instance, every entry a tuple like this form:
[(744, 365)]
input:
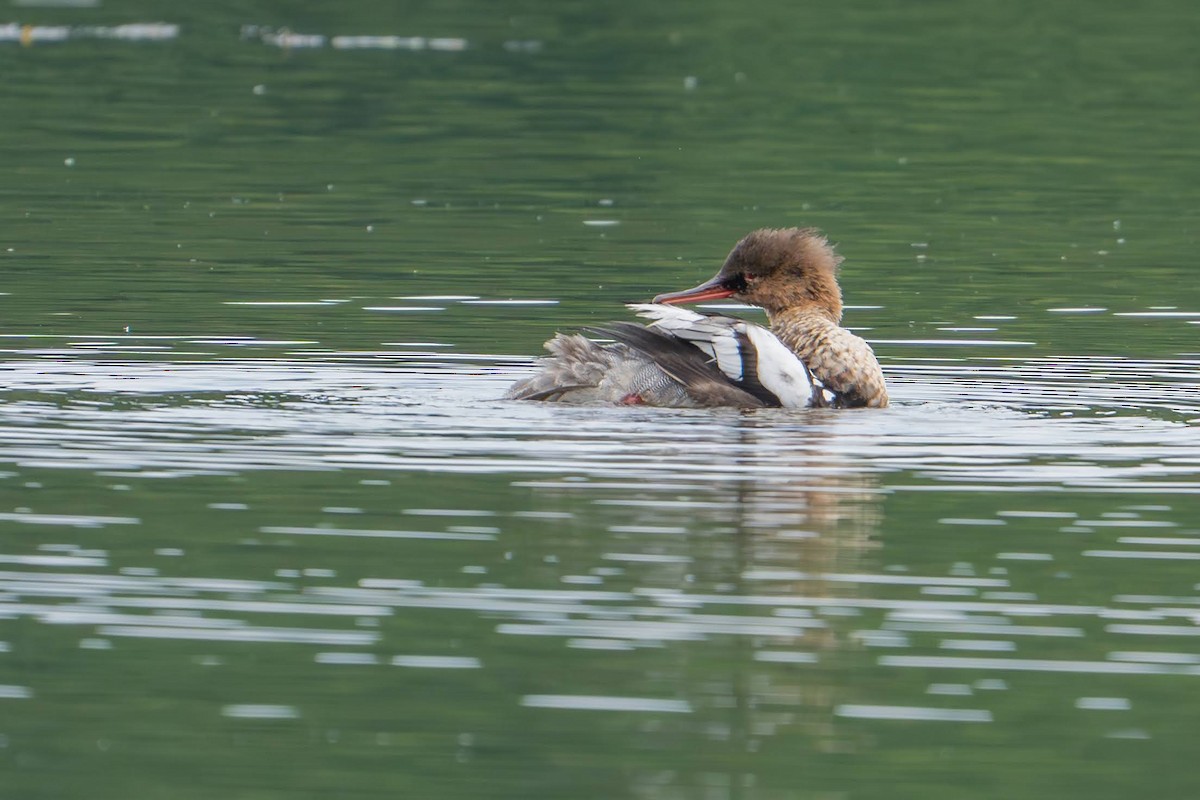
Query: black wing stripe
[(750, 381), (680, 360), (683, 362)]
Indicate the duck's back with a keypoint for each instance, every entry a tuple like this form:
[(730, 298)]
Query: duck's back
[(583, 371), (681, 359)]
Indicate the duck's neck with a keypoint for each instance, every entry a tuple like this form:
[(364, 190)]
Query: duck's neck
[(801, 327)]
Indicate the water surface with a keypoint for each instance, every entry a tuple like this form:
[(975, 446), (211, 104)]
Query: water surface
[(267, 530)]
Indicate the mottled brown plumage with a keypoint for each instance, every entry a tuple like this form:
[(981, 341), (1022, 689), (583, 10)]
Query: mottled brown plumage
[(843, 362)]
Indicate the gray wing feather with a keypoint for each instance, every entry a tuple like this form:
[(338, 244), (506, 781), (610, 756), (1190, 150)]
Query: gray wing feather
[(748, 354), (719, 338)]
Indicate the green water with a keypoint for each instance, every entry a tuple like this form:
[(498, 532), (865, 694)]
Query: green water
[(267, 531)]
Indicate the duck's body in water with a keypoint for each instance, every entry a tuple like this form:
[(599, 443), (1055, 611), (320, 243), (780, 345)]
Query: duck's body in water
[(685, 359)]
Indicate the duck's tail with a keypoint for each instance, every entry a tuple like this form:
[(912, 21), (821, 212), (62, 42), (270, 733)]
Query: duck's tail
[(576, 364)]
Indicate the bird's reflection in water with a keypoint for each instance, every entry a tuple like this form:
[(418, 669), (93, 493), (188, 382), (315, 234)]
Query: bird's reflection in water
[(747, 538)]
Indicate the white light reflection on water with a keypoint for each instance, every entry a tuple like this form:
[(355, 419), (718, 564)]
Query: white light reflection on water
[(1103, 703), (995, 423), (913, 713), (784, 506), (71, 520), (260, 711), (1037, 665), (436, 662), (606, 703), (378, 534)]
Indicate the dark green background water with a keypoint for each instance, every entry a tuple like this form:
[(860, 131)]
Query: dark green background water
[(260, 538)]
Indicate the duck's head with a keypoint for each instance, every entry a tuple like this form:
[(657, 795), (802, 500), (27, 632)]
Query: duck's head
[(777, 269)]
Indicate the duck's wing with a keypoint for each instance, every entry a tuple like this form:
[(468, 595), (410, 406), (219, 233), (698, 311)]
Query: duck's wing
[(684, 364), (681, 358), (750, 356)]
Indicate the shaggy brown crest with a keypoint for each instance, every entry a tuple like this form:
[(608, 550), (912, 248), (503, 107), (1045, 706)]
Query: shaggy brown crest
[(780, 268)]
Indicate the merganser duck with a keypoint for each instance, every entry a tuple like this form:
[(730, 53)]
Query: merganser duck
[(686, 359)]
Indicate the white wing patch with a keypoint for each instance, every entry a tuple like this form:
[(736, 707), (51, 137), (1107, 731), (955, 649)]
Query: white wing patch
[(715, 336), (722, 339), (779, 370)]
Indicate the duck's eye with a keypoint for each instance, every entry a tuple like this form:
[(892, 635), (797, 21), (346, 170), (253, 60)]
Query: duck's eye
[(750, 277)]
